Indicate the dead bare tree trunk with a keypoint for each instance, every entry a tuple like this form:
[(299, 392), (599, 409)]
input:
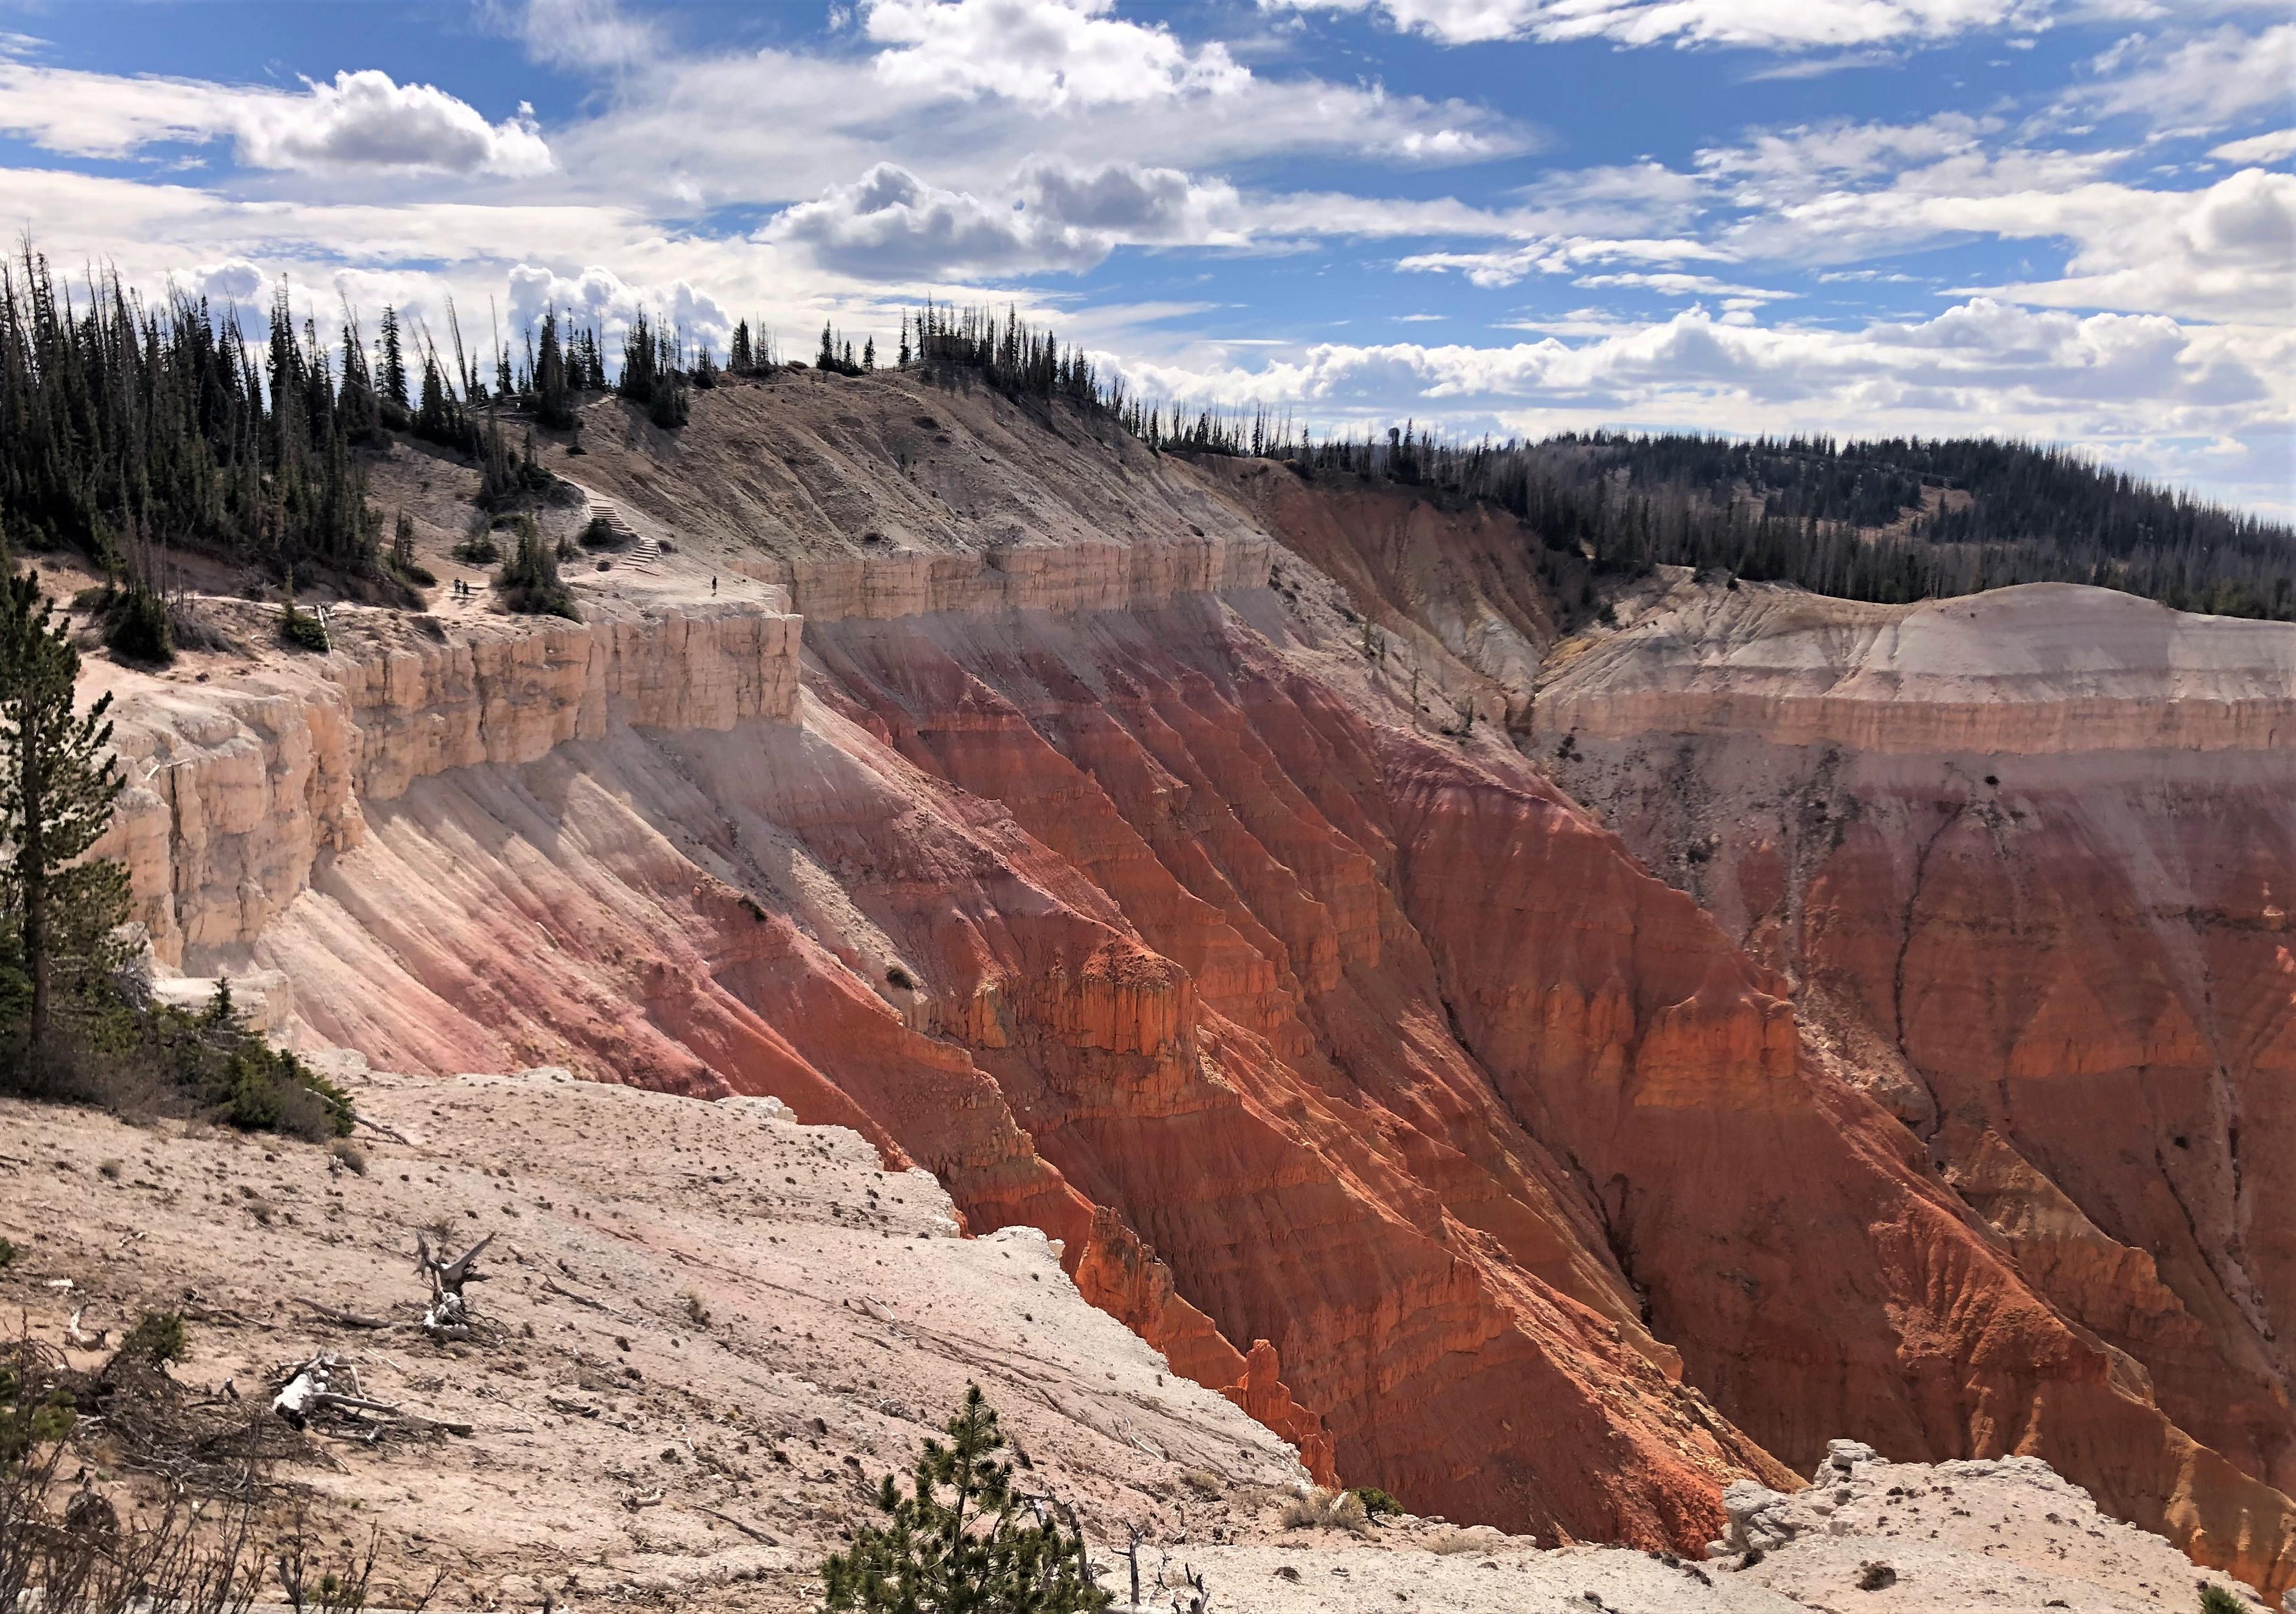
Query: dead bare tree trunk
[(448, 1316)]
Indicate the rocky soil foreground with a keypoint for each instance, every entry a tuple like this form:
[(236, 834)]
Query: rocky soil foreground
[(708, 1330), (1146, 850)]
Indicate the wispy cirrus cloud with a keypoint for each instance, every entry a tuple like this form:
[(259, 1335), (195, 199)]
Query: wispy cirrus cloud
[(1771, 24)]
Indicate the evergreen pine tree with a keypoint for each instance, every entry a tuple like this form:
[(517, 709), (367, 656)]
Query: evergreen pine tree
[(391, 374), (963, 1539), (58, 783), (827, 358), (869, 354), (355, 405), (553, 388)]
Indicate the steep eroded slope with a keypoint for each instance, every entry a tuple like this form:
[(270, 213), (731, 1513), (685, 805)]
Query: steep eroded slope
[(1128, 894)]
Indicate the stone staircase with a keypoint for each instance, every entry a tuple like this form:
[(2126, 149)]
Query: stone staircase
[(595, 509), (643, 554)]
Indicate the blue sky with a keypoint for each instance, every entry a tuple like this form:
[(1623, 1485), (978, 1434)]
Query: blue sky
[(2067, 221)]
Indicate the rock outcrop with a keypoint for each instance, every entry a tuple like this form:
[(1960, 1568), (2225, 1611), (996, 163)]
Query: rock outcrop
[(236, 790)]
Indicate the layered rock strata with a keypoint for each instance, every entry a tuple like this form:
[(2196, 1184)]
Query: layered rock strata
[(2023, 858), (1171, 930), (236, 790)]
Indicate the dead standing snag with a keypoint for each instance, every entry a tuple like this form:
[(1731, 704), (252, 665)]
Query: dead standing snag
[(448, 1314)]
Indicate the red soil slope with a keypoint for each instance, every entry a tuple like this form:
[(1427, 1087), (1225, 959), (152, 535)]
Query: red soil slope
[(1172, 932)]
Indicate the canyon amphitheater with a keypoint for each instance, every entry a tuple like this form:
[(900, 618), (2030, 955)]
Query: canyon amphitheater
[(1224, 960)]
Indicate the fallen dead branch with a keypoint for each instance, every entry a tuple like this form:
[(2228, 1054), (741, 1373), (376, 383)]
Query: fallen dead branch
[(310, 1391), (348, 1319), (377, 1127), (552, 1286), (756, 1535)]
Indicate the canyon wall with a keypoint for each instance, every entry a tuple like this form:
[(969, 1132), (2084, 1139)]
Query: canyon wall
[(1128, 892), (237, 789), (2038, 911)]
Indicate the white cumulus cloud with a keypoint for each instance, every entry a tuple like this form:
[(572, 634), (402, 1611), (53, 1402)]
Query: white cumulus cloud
[(1040, 53), (365, 120), (360, 121), (1982, 365), (1055, 217), (600, 296)]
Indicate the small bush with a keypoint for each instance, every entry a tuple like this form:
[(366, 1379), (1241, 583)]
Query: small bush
[(1449, 1544), (353, 1158), (2216, 1599), (303, 629), (8, 1253), (136, 628), (220, 1066), (600, 534), (158, 1336), (480, 549), (1376, 1502), (1323, 1510)]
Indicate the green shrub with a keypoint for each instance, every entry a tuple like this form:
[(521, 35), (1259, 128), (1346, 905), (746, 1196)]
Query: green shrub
[(964, 1538), (529, 580), (303, 629), (1377, 1503), (158, 1336), (135, 626), (218, 1066), (480, 549), (8, 1253), (31, 1414), (672, 405), (599, 534), (2216, 1599)]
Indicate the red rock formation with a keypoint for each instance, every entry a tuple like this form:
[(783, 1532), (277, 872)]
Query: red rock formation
[(2063, 961), (1260, 1392), (1167, 929)]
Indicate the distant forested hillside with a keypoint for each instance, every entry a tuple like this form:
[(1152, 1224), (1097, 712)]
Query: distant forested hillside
[(1893, 519), (135, 435)]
